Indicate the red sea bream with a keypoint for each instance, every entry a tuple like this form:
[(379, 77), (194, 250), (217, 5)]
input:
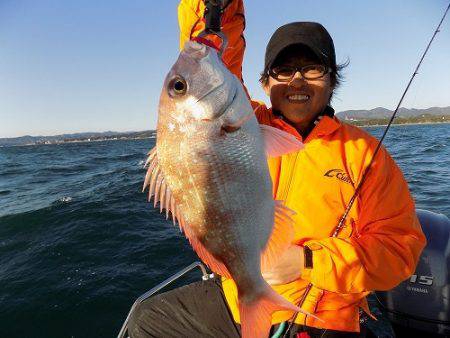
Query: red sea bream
[(209, 169)]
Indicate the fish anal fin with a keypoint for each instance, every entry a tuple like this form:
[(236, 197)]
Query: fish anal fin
[(280, 238), (213, 263), (278, 142)]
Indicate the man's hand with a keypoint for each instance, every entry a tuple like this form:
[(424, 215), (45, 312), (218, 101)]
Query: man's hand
[(225, 3), (288, 268)]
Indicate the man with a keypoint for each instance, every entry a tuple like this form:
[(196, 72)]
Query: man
[(327, 275)]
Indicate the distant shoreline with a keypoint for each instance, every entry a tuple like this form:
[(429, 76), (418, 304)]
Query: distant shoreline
[(398, 124), (78, 141), (152, 134)]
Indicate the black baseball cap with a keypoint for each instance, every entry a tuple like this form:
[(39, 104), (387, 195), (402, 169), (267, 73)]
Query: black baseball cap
[(311, 34)]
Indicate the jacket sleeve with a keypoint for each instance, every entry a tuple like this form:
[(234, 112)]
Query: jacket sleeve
[(386, 242), (190, 19)]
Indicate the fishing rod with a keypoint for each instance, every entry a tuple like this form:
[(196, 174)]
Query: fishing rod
[(212, 17), (340, 225)]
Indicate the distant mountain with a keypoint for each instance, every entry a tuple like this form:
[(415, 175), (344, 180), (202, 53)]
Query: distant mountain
[(383, 113), (77, 137)]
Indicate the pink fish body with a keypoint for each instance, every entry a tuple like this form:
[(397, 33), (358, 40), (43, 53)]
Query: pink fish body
[(209, 169)]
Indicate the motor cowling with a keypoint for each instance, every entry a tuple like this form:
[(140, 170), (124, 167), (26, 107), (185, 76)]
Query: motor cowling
[(422, 302)]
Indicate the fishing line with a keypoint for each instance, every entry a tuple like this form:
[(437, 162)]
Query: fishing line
[(358, 187)]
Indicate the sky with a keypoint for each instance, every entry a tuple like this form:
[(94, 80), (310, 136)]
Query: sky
[(77, 66)]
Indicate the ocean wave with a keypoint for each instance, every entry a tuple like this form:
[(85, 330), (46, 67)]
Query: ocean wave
[(34, 205), (101, 159), (12, 172), (128, 156), (432, 148), (69, 169), (65, 199), (114, 157)]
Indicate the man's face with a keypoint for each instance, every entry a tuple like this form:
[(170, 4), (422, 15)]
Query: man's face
[(300, 101)]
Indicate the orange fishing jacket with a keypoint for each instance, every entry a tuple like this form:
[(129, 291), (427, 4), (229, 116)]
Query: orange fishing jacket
[(381, 241)]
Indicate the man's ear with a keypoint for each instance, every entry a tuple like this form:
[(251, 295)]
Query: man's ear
[(266, 88), (333, 87)]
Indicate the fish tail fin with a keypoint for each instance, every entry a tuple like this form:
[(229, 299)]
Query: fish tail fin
[(256, 315)]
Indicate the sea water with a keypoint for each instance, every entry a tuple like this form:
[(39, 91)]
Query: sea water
[(79, 242)]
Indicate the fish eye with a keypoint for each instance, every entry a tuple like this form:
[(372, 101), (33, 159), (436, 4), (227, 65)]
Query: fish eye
[(177, 87)]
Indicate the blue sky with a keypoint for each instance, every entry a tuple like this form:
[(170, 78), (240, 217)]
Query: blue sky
[(74, 66)]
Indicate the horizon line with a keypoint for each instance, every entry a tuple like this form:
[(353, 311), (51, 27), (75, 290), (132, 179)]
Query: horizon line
[(145, 130)]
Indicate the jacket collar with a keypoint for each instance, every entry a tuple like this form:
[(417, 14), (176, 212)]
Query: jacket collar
[(325, 124)]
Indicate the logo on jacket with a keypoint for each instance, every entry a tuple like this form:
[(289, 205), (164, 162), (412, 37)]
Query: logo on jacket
[(339, 174)]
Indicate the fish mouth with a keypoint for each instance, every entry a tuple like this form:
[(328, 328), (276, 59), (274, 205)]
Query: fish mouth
[(195, 50)]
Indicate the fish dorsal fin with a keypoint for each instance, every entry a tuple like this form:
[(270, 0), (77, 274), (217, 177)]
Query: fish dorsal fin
[(281, 237), (278, 142), (158, 187)]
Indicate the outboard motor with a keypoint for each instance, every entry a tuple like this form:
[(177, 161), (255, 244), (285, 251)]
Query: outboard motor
[(423, 301)]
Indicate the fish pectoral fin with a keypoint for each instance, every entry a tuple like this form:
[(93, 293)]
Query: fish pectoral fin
[(280, 238), (278, 142)]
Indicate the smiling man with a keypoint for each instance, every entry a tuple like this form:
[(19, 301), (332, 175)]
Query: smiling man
[(329, 276), (300, 76), (300, 73)]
